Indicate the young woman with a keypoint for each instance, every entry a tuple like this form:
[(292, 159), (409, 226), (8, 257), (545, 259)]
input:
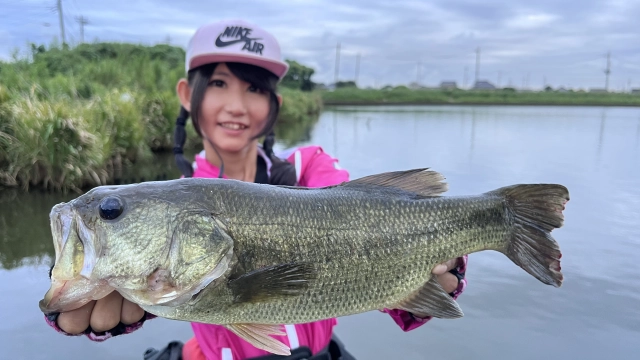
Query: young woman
[(230, 94)]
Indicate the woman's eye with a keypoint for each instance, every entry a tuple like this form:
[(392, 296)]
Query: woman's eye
[(217, 83), (255, 89)]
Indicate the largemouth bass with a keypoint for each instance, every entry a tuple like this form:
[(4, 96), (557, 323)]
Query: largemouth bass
[(251, 257)]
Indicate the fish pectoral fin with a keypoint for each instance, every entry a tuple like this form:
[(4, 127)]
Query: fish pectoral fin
[(422, 182), (431, 300), (271, 282), (258, 335)]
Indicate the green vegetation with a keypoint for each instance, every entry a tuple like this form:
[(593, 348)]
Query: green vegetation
[(349, 95), (298, 76), (73, 118)]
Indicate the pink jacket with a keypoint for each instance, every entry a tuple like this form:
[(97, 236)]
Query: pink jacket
[(314, 168)]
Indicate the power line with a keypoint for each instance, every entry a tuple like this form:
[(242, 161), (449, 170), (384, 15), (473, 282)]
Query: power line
[(337, 63), (607, 71), (82, 21), (477, 63), (60, 16), (357, 67)]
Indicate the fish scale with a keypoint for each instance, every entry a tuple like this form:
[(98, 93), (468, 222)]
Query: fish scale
[(392, 272)]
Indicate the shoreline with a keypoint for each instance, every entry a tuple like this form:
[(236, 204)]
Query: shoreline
[(414, 103), (405, 96)]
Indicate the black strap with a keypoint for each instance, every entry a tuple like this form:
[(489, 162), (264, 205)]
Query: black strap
[(261, 171), (300, 353), (173, 351), (458, 275), (334, 351)]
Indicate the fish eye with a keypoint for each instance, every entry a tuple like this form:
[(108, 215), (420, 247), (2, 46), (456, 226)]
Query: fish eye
[(111, 208)]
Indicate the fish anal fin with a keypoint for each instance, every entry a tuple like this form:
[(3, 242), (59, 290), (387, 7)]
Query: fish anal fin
[(423, 182), (258, 335), (271, 282), (431, 300)]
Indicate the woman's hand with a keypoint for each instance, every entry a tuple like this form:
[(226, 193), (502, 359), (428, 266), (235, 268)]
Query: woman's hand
[(447, 280), (102, 315)]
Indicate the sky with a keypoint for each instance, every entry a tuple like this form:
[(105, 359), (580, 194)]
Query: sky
[(521, 43)]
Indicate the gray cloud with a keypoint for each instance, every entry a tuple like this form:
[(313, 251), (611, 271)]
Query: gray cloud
[(564, 42)]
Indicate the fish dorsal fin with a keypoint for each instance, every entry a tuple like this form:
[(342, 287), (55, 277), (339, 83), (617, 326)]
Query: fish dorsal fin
[(258, 335), (431, 300), (423, 182), (267, 283)]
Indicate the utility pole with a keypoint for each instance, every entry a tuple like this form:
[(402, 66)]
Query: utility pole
[(499, 77), (418, 72), (82, 21), (59, 6), (337, 63), (607, 71), (357, 67), (477, 64)]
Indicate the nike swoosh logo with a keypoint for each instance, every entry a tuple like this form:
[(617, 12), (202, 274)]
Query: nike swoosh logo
[(220, 43)]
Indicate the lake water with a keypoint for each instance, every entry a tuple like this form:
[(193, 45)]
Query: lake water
[(593, 151)]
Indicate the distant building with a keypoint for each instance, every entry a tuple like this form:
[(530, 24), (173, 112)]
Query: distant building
[(448, 85), (635, 91), (483, 85), (415, 86)]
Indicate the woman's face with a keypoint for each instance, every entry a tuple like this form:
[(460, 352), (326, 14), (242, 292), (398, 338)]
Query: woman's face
[(232, 111)]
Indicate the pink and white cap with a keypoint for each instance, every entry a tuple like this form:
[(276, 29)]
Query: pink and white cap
[(235, 41)]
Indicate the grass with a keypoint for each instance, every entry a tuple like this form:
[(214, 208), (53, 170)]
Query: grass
[(403, 95), (72, 118)]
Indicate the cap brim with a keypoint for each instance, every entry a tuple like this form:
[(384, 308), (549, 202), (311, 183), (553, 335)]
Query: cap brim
[(277, 67)]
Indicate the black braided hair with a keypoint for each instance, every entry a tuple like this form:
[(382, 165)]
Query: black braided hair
[(282, 172), (179, 138)]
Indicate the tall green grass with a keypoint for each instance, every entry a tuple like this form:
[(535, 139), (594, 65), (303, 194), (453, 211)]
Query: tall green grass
[(300, 111), (72, 118)]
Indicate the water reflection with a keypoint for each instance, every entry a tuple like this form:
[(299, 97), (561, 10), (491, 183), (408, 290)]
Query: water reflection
[(291, 133), (25, 238), (335, 134), (603, 119), (473, 135), (638, 134)]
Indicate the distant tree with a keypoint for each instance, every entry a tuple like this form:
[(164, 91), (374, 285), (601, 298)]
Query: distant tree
[(548, 88), (298, 76), (346, 84)]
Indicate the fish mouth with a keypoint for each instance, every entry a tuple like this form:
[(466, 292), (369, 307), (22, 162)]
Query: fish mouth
[(75, 255), (53, 300), (68, 229), (49, 304), (72, 294)]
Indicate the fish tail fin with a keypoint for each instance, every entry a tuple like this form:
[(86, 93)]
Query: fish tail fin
[(534, 211)]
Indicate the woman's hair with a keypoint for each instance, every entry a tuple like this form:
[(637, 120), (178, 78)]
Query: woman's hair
[(282, 172)]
